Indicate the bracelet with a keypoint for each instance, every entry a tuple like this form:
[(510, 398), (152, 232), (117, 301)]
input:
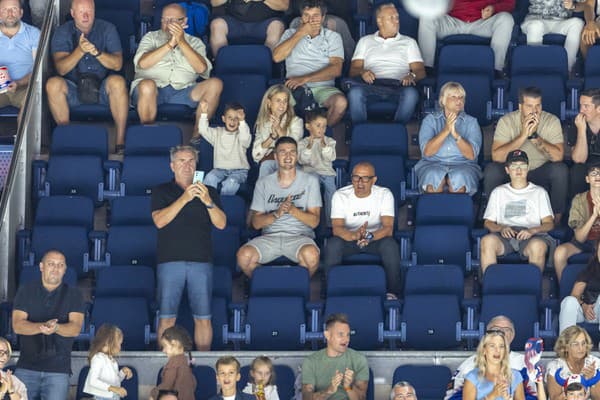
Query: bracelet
[(275, 215), (273, 138), (171, 47), (458, 138), (98, 54), (414, 76), (210, 206)]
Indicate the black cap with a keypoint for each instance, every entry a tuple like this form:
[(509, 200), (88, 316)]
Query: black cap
[(517, 155), (592, 164)]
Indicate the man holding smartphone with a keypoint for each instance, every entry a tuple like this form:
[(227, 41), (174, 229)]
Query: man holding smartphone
[(539, 134), (184, 210)]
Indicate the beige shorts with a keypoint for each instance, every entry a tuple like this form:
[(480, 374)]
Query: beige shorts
[(322, 93), (15, 99), (269, 247)]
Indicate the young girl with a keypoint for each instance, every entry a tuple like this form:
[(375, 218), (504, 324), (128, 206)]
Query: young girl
[(104, 378), (261, 373), (177, 372)]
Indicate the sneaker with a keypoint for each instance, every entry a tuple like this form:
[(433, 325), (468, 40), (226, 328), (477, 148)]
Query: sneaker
[(391, 296), (120, 149)]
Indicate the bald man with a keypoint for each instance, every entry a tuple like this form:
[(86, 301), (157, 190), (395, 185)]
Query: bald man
[(85, 51), (167, 64)]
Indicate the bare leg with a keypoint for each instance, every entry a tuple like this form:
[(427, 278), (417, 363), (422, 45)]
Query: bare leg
[(163, 325), (491, 248), (336, 107), (56, 88), (561, 256), (218, 35), (209, 91), (203, 334), (247, 259), (308, 257), (535, 251), (146, 106), (274, 32), (119, 104)]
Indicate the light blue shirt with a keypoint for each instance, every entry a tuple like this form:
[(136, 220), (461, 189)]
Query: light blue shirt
[(485, 387), (17, 52), (313, 54), (466, 126)]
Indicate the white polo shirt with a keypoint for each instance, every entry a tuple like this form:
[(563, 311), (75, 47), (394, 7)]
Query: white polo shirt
[(356, 210)]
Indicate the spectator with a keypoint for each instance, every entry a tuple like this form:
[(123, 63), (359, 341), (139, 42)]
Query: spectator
[(262, 379), (229, 148), (336, 372), (553, 16), (47, 316), (591, 30), (10, 385), (286, 206), (476, 17), (583, 305), (576, 391), (587, 145), (228, 375), (84, 51), (540, 135), (168, 63), (168, 395), (389, 56), (499, 323), (255, 21), (362, 216), (19, 42), (518, 216), (573, 350), (177, 373), (450, 142), (276, 118), (184, 213), (316, 153), (313, 58), (492, 361), (403, 391), (583, 219)]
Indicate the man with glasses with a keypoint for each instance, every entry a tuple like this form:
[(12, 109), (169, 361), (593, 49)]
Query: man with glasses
[(47, 316), (362, 217), (167, 64), (540, 135), (583, 219), (518, 216), (403, 391), (286, 206), (504, 326)]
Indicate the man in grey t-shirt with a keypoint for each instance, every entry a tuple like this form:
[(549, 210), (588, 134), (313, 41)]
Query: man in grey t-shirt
[(287, 207)]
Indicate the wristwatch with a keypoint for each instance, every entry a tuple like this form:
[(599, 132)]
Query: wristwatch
[(414, 76), (369, 236), (211, 205)]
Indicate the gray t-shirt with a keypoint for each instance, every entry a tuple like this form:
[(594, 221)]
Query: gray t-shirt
[(268, 194)]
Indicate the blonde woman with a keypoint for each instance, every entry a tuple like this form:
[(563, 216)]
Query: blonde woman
[(10, 386), (492, 378), (276, 118), (573, 348)]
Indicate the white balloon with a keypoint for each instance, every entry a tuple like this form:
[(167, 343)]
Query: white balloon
[(429, 9)]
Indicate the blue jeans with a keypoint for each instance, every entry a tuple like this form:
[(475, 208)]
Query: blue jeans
[(230, 179), (328, 188), (172, 278), (361, 95), (44, 385)]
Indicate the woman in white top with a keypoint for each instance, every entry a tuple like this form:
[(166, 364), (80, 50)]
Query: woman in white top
[(10, 385), (276, 118)]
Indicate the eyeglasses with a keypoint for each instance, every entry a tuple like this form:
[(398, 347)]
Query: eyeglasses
[(172, 20), (4, 353), (522, 167), (594, 172), (578, 344), (14, 10), (404, 396), (363, 179), (495, 331)]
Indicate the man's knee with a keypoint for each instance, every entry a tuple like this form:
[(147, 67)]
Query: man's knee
[(276, 27), (213, 86), (490, 244), (309, 254), (56, 85), (147, 88), (536, 248), (388, 245), (338, 102), (115, 85), (504, 19), (559, 172), (218, 26), (246, 256)]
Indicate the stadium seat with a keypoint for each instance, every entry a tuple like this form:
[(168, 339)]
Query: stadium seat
[(131, 245), (122, 20), (131, 210), (246, 89), (151, 140), (131, 385), (444, 208), (76, 139), (141, 173), (441, 244), (256, 60), (429, 381), (225, 244), (592, 68), (284, 379), (126, 281), (73, 175), (206, 381), (65, 210)]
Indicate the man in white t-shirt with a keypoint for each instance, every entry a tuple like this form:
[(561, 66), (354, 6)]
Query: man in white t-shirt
[(518, 216), (387, 66), (362, 217)]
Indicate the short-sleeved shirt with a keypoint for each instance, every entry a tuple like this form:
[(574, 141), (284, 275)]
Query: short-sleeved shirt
[(319, 368), (559, 363), (268, 195), (522, 208), (188, 236), (313, 54), (251, 11), (47, 353), (356, 210), (549, 129), (549, 9), (580, 213), (593, 143), (17, 52), (387, 58), (173, 69), (484, 387), (103, 35)]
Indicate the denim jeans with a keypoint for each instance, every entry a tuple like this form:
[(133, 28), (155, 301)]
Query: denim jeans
[(44, 385), (230, 179), (328, 188), (361, 95)]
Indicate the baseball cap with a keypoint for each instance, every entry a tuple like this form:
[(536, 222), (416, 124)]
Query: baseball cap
[(592, 164), (517, 155)]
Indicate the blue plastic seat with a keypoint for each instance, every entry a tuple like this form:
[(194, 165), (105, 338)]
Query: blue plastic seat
[(257, 60), (131, 314), (429, 381), (131, 385), (151, 140), (74, 175), (132, 244), (141, 173), (126, 281), (74, 139), (131, 210)]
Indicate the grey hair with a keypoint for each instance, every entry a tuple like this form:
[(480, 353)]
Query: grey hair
[(177, 149), (402, 384), (498, 318)]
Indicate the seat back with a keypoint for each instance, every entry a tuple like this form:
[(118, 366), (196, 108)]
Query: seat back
[(375, 139), (128, 313), (429, 381), (389, 169), (65, 210), (278, 281), (152, 140), (126, 281), (73, 175), (71, 240), (445, 209), (142, 173), (441, 244), (281, 333), (256, 60), (132, 244), (592, 68), (74, 139), (131, 210), (246, 89)]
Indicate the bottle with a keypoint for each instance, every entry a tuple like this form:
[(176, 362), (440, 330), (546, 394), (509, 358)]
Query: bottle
[(260, 392)]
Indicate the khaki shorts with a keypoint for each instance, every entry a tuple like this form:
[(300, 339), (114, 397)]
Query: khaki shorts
[(322, 93), (15, 99), (275, 245)]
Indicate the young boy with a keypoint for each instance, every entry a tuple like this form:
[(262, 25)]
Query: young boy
[(576, 391), (228, 375), (230, 163), (316, 154)]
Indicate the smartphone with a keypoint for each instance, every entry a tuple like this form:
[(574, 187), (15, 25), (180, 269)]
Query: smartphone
[(198, 176)]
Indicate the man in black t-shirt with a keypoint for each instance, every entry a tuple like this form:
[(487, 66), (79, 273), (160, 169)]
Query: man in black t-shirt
[(587, 143), (47, 316), (247, 21), (184, 213)]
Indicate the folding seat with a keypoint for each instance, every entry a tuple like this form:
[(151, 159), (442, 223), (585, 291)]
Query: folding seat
[(284, 379), (65, 210), (131, 314), (131, 385), (126, 281), (246, 89), (151, 140), (225, 244), (206, 381), (257, 60), (131, 245), (429, 381), (513, 290), (71, 175), (235, 209), (131, 210), (74, 139), (431, 314), (141, 173), (592, 68), (122, 19)]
